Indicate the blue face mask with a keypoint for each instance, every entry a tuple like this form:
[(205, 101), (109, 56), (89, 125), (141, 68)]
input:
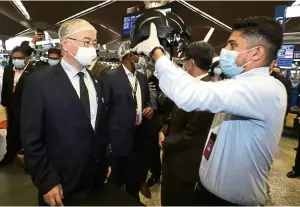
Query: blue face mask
[(140, 64), (19, 63), (217, 71), (53, 62), (228, 62)]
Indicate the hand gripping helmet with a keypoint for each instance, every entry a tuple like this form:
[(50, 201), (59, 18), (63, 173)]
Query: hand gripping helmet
[(171, 29)]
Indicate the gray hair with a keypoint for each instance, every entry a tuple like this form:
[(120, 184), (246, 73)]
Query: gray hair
[(73, 26)]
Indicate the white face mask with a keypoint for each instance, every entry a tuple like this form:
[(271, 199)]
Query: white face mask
[(85, 55)]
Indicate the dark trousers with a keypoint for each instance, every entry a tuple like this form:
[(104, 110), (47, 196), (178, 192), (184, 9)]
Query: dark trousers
[(129, 170), (296, 168), (177, 192), (152, 149), (13, 139), (205, 198)]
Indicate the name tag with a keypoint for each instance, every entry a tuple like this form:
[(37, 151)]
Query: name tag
[(210, 145)]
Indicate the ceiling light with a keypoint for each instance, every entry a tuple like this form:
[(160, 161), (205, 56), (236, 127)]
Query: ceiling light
[(21, 8), (208, 35), (87, 11), (205, 15), (110, 29)]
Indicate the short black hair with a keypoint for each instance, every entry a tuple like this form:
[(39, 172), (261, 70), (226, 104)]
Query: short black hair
[(19, 49), (26, 47), (201, 52), (54, 51), (265, 28)]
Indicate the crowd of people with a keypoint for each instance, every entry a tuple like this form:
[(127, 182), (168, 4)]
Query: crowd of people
[(217, 120)]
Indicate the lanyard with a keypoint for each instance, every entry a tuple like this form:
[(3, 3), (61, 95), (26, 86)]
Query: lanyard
[(134, 91)]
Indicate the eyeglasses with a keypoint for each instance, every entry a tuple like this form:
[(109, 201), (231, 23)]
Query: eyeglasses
[(86, 43)]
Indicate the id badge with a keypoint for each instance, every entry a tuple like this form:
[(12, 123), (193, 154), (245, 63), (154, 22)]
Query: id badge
[(210, 145)]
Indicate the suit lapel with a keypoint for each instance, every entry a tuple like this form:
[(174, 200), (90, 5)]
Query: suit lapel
[(26, 72), (11, 78), (70, 93)]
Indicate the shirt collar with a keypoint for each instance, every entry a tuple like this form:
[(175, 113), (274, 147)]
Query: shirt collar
[(70, 69), (262, 71), (128, 72), (200, 77)]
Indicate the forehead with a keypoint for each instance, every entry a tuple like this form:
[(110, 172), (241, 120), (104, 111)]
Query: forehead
[(88, 34), (53, 55), (237, 36), (18, 54)]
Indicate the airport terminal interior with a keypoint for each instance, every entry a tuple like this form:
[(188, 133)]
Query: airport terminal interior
[(38, 22)]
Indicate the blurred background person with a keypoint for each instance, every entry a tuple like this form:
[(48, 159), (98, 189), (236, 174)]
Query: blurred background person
[(96, 68), (183, 146), (129, 107), (29, 47), (152, 127), (215, 70), (13, 84), (54, 56), (275, 72)]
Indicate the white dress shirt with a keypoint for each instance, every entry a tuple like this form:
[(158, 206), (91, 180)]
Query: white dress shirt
[(17, 76), (248, 126), (74, 78), (139, 110)]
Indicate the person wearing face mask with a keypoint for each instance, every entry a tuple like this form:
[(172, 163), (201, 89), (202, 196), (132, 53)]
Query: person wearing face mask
[(186, 137), (251, 108), (215, 70), (129, 108), (63, 126), (13, 84), (54, 56)]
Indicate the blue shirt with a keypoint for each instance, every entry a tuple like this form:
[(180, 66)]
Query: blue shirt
[(248, 125)]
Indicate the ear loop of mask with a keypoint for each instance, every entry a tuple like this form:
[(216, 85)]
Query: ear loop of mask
[(187, 70), (74, 44), (250, 60)]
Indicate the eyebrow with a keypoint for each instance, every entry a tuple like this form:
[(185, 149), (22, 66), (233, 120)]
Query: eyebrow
[(231, 41), (87, 38)]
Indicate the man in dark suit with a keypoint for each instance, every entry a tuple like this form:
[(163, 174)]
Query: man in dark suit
[(129, 107), (184, 140), (13, 83), (275, 72), (64, 122)]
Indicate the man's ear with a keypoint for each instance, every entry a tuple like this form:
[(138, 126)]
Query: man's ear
[(259, 53), (64, 44)]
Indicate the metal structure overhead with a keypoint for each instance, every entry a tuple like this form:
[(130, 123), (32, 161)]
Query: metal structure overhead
[(108, 19)]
